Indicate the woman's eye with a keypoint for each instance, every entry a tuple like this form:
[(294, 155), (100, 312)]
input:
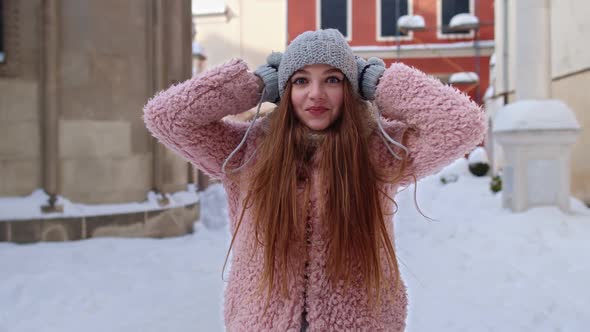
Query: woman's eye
[(333, 79), (299, 80)]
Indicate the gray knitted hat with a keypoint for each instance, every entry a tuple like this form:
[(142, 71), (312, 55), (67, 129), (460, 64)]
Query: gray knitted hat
[(317, 47)]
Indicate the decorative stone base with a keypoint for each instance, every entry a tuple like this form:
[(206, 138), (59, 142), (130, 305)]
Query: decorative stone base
[(156, 224)]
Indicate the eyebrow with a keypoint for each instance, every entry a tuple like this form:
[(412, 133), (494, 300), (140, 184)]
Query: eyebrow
[(329, 71)]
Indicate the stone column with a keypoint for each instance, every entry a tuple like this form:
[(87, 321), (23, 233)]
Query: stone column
[(203, 181), (49, 101), (171, 47), (160, 82), (533, 50)]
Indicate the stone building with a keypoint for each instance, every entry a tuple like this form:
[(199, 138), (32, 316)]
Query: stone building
[(74, 77)]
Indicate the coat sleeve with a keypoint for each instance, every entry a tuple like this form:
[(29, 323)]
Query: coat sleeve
[(436, 122), (187, 117)]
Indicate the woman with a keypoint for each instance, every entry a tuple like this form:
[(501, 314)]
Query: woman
[(310, 187)]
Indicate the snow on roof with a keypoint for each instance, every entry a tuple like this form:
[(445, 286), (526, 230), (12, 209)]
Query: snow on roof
[(551, 114), (411, 22), (464, 21), (463, 78)]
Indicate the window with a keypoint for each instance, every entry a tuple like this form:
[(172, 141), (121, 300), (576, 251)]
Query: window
[(450, 8), (335, 14), (1, 32), (388, 12)]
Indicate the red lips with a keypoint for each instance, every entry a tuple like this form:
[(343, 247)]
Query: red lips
[(317, 110)]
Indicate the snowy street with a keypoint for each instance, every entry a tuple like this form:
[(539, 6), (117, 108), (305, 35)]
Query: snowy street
[(477, 267)]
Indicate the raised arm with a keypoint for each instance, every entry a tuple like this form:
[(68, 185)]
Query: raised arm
[(187, 117), (437, 122)]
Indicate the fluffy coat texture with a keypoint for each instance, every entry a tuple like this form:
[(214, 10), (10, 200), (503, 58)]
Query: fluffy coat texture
[(437, 123)]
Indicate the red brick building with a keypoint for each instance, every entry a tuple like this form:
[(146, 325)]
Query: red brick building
[(372, 30)]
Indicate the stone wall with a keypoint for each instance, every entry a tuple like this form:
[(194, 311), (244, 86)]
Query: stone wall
[(154, 223), (572, 90), (20, 132), (76, 77)]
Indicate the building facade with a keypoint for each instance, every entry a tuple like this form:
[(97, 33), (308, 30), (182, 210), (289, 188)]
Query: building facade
[(74, 77), (372, 30), (246, 29)]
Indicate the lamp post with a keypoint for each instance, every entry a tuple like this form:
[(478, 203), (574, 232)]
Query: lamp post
[(469, 22), (407, 24)]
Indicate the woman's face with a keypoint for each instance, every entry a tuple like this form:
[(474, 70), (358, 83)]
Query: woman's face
[(317, 95)]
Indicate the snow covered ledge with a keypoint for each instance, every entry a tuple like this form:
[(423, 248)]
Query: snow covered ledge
[(536, 137), (22, 222)]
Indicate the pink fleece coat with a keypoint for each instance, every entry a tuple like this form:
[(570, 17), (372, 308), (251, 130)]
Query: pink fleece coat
[(439, 123)]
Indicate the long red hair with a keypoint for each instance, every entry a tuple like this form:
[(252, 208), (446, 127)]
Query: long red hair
[(353, 209)]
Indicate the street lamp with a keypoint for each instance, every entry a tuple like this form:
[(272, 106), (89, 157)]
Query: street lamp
[(464, 78), (407, 23), (463, 22), (458, 23)]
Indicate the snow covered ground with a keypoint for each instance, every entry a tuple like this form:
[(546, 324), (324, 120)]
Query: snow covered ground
[(478, 267)]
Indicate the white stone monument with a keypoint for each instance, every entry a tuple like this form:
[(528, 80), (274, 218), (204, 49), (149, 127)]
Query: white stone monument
[(536, 137), (536, 133)]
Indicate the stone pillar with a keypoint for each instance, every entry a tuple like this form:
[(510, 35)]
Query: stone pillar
[(49, 101), (172, 64), (203, 181), (159, 84), (533, 50)]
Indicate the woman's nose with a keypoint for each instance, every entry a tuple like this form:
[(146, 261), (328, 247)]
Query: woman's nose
[(316, 91)]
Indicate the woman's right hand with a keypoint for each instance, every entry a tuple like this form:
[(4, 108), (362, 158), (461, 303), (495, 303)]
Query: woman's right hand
[(269, 75)]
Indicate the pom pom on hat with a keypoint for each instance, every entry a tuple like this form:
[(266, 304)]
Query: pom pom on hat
[(376, 61), (274, 59), (370, 72)]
